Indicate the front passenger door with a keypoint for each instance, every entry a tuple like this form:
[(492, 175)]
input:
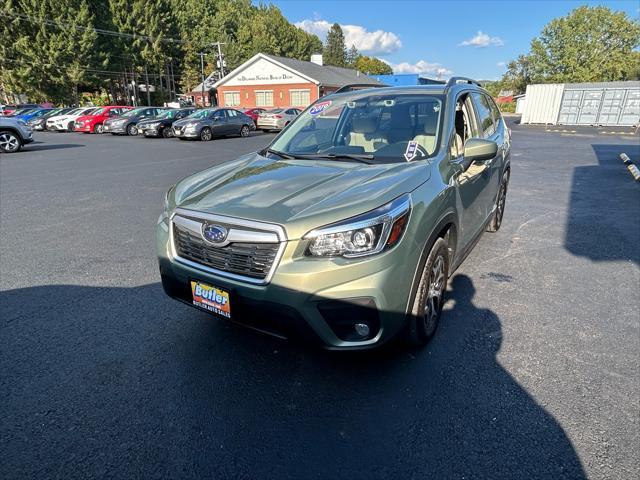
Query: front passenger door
[(472, 182), (219, 123)]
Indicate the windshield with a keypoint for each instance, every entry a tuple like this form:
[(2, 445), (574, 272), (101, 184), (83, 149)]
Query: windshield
[(167, 114), (86, 111), (201, 113), (275, 110), (132, 113), (384, 128), (99, 111), (22, 111)]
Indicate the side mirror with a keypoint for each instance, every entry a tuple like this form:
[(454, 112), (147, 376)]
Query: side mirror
[(478, 150)]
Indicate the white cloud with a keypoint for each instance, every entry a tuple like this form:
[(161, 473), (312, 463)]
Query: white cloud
[(421, 66), (378, 42), (501, 64), (482, 40)]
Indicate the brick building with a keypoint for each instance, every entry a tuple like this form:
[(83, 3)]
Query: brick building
[(270, 82)]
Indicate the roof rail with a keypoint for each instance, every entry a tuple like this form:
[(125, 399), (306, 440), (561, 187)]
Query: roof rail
[(356, 86), (455, 80)]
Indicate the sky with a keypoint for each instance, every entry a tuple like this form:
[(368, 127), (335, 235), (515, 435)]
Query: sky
[(438, 38)]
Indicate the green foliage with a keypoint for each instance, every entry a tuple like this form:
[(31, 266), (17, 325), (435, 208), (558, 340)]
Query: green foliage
[(372, 66), (507, 107), (335, 52), (99, 98), (590, 44), (49, 62)]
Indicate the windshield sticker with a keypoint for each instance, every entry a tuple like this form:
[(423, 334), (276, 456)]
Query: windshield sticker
[(412, 151), (320, 107)]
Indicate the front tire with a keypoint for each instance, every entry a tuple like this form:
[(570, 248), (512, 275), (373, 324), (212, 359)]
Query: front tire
[(205, 134), (496, 221), (427, 306), (244, 131), (9, 142), (132, 130)]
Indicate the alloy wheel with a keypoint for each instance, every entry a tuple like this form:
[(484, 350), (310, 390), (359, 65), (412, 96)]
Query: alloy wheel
[(132, 130), (433, 302), (205, 134), (98, 129), (244, 131), (9, 142)]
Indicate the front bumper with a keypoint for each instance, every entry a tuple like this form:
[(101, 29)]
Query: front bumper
[(317, 298), (115, 128), (149, 131), (57, 127), (185, 133), (83, 127)]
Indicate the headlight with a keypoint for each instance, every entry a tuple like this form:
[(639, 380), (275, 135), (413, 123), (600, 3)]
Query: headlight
[(363, 235)]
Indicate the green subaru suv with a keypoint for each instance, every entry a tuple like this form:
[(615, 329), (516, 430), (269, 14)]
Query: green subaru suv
[(347, 226)]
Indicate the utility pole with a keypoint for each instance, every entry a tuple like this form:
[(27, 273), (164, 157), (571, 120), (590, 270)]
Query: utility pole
[(220, 59), (202, 75), (146, 87)]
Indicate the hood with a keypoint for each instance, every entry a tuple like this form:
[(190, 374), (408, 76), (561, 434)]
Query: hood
[(55, 118), (150, 120), (184, 121), (298, 194), (82, 118)]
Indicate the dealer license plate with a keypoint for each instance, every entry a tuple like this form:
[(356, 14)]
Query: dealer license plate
[(211, 298)]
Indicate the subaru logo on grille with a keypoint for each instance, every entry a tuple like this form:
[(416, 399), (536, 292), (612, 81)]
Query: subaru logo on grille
[(214, 233)]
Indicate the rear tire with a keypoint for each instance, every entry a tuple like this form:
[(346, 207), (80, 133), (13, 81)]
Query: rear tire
[(244, 131), (205, 134), (98, 129), (427, 306), (167, 132), (71, 127), (9, 142), (496, 221)]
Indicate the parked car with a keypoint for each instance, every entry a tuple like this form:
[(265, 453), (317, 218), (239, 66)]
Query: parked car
[(348, 225), (94, 122), (40, 123), (126, 123), (213, 122), (254, 113), (277, 119), (34, 113), (14, 133), (66, 122), (161, 126), (12, 109)]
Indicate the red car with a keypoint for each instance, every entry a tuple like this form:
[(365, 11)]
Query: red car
[(254, 113), (94, 123)]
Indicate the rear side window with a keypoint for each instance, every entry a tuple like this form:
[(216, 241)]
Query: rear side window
[(487, 123)]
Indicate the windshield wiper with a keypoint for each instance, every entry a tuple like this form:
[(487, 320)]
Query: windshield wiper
[(338, 156), (280, 154)]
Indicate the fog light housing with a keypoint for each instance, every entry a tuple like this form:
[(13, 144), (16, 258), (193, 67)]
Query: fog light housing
[(351, 319)]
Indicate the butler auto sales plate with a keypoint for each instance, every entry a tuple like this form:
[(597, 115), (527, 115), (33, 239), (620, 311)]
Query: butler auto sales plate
[(211, 298)]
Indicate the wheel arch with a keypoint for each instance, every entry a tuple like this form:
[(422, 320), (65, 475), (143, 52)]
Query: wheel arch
[(14, 131), (446, 228)]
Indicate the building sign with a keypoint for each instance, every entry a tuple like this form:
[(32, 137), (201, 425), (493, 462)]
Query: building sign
[(264, 72), (264, 78)]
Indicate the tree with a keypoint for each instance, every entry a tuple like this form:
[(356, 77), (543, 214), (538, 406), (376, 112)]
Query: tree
[(334, 50), (590, 44), (518, 75), (52, 48), (372, 66), (352, 57)]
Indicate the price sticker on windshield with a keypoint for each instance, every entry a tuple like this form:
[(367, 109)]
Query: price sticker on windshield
[(412, 151), (319, 107)]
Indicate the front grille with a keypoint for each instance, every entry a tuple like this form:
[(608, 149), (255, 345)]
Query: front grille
[(253, 260)]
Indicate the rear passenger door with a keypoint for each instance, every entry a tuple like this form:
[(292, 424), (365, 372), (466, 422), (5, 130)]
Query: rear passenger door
[(234, 120)]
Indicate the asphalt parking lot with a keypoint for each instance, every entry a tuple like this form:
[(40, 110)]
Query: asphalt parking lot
[(534, 372)]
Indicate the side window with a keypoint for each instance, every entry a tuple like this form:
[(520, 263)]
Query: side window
[(497, 116), (487, 124), (232, 113), (219, 114), (465, 126)]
